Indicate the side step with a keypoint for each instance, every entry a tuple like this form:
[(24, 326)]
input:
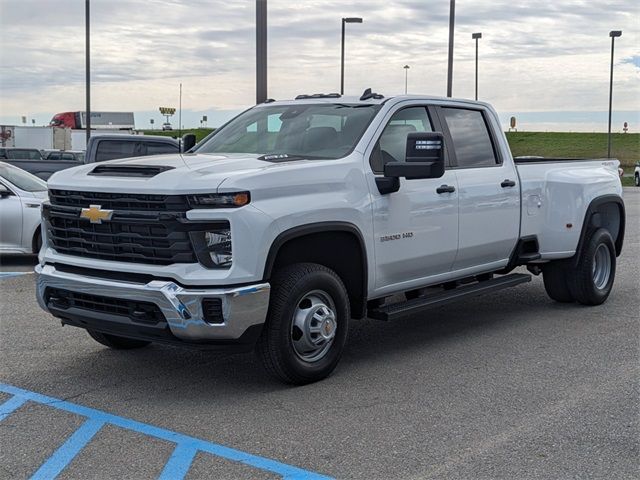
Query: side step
[(410, 307)]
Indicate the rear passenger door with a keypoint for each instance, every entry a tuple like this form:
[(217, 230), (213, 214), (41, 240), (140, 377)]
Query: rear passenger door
[(488, 189)]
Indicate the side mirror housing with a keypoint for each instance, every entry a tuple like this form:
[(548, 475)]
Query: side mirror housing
[(424, 157), (4, 191), (188, 142)]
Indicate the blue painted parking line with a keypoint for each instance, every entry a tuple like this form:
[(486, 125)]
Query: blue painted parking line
[(4, 275), (176, 467)]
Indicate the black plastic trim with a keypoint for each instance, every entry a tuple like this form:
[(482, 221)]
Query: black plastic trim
[(245, 343), (321, 227), (588, 218)]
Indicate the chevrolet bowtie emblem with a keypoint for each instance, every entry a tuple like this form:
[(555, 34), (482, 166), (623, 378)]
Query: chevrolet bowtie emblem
[(95, 214)]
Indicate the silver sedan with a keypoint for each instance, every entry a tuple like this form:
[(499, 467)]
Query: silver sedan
[(21, 195)]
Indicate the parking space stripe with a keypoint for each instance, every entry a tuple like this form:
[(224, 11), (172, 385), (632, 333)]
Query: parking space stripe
[(8, 407), (4, 275), (180, 460), (69, 449)]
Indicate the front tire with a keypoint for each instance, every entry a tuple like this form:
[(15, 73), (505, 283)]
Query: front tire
[(307, 323), (636, 178), (592, 280), (115, 342)]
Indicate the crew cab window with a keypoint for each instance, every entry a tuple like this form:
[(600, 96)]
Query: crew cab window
[(161, 148), (471, 139), (392, 144), (113, 149)]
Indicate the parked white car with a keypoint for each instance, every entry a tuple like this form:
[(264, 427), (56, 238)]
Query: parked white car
[(21, 195)]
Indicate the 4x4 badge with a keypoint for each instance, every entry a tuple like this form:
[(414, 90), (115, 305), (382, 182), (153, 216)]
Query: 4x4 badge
[(95, 214)]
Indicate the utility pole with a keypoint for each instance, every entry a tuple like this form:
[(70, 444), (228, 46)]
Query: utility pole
[(613, 34), (406, 78), (87, 70), (476, 37), (261, 51), (452, 17)]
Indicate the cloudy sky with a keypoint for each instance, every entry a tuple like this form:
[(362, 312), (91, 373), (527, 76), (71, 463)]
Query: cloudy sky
[(547, 62)]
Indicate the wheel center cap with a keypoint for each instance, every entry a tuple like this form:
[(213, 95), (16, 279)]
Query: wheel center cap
[(328, 328)]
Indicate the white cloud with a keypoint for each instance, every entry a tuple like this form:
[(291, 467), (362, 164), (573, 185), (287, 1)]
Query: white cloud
[(545, 56)]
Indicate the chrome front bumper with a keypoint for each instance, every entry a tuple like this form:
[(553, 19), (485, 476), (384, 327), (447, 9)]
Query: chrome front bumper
[(242, 307)]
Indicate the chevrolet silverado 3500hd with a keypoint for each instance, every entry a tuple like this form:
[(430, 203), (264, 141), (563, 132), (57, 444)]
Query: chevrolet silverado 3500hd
[(297, 216)]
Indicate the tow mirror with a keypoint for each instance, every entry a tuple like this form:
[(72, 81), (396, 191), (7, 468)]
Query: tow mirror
[(4, 191), (424, 159), (188, 142)]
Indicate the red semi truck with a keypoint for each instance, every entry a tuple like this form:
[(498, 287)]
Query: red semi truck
[(101, 120)]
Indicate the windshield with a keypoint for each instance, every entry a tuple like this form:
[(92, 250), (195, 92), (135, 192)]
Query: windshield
[(325, 131), (21, 179)]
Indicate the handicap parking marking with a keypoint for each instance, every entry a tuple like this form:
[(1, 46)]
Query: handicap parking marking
[(4, 275), (178, 463)]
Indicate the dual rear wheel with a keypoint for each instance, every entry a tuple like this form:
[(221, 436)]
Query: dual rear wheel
[(590, 281)]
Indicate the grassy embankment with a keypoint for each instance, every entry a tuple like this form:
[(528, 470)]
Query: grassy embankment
[(625, 147)]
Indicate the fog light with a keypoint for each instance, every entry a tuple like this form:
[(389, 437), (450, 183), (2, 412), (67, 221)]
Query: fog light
[(218, 245)]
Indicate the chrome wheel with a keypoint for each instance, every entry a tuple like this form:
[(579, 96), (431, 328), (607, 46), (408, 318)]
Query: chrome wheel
[(314, 325), (601, 267)]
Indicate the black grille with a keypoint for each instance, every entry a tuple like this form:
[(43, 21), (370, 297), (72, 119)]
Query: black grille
[(212, 310), (140, 312), (158, 241), (119, 201)]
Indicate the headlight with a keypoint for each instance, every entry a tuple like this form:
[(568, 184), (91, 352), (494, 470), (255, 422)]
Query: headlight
[(219, 200), (213, 246)]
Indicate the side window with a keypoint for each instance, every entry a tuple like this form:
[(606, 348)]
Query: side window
[(471, 139), (54, 156), (113, 149), (392, 144), (160, 148)]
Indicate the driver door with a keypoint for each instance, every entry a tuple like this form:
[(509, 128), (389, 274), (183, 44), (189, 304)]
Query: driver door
[(415, 228)]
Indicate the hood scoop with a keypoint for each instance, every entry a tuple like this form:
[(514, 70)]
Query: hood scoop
[(140, 171)]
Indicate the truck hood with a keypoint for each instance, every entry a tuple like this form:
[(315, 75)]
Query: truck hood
[(187, 173)]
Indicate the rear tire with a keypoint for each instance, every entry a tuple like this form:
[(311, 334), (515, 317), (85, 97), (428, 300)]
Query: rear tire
[(636, 178), (591, 282), (115, 342), (555, 277), (307, 323)]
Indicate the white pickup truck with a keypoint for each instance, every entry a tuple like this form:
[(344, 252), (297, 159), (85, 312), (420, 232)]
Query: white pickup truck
[(297, 216)]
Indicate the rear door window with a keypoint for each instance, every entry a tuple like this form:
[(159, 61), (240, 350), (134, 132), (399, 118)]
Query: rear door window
[(155, 148), (113, 149), (471, 139)]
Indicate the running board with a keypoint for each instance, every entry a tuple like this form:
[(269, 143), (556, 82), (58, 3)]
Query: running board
[(410, 307)]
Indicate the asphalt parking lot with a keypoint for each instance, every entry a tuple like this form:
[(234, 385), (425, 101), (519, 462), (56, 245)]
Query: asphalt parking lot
[(511, 385)]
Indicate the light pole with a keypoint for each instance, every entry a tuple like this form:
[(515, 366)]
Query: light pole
[(406, 77), (476, 37), (345, 21), (452, 20), (261, 51), (613, 34), (87, 71)]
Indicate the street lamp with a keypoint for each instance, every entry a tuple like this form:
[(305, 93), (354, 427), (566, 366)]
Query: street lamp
[(452, 20), (406, 77), (87, 63), (344, 21), (613, 34), (476, 37)]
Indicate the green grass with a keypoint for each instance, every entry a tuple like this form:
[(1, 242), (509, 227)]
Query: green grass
[(624, 147)]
